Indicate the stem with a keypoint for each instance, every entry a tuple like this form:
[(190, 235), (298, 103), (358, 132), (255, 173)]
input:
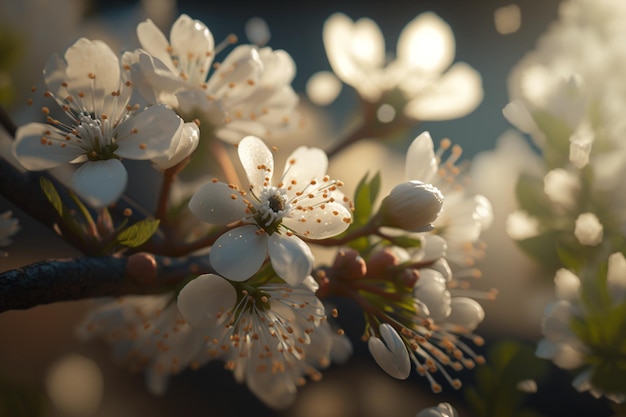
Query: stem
[(224, 161), (7, 122), (169, 175), (367, 230)]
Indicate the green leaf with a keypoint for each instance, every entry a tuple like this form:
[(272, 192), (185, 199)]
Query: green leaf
[(51, 194), (138, 233), (531, 198), (362, 203), (406, 242), (557, 133), (543, 249)]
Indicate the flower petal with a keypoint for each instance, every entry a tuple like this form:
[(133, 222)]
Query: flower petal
[(427, 43), (148, 134), (305, 164), (92, 66), (213, 203), (239, 253), (393, 357), (35, 154), (291, 257), (192, 41), (181, 147), (457, 93), (100, 183), (154, 42), (421, 163), (257, 161), (616, 277), (203, 299), (319, 223), (465, 312)]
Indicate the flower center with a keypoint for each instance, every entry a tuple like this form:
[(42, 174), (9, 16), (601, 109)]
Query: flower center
[(91, 131), (272, 208)]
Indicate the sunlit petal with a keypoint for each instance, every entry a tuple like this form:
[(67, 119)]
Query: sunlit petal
[(239, 253), (100, 183)]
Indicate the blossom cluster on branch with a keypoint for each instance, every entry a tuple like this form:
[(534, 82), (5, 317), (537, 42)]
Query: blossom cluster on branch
[(234, 260)]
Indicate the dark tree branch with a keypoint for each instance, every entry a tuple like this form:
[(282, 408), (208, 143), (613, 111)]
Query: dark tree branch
[(75, 279)]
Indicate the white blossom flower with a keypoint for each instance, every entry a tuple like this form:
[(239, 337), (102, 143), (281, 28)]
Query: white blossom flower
[(588, 229), (181, 147), (147, 334), (249, 93), (268, 335), (8, 227), (412, 206), (442, 410), (92, 89), (304, 203), (422, 71), (464, 216), (582, 329)]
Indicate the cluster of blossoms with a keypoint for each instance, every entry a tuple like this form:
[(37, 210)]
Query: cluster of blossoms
[(568, 94), (251, 293)]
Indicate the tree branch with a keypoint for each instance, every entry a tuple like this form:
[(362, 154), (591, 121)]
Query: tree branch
[(75, 279)]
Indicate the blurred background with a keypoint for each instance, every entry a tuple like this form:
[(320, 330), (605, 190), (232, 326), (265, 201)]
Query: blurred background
[(34, 341)]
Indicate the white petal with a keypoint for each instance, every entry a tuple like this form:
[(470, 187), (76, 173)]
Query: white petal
[(465, 312), (156, 127), (567, 357), (257, 161), (276, 391), (213, 203), (291, 257), (278, 68), (192, 40), (319, 223), (567, 285), (393, 357), (92, 66), (181, 147), (427, 43), (519, 116), (35, 155), (203, 299), (616, 277), (239, 253), (421, 163), (305, 164), (154, 42), (100, 183), (154, 80), (457, 93)]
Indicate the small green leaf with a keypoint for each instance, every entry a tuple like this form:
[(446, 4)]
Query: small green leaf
[(543, 249), (531, 197), (51, 194), (374, 188), (138, 233), (362, 203), (406, 242)]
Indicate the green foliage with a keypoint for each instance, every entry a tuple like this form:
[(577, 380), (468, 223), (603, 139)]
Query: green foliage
[(51, 194), (18, 400), (495, 392), (531, 198), (138, 233), (543, 249), (364, 198), (557, 133)]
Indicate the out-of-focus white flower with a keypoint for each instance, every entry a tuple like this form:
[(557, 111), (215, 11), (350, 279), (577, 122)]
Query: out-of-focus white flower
[(582, 329), (91, 87), (304, 202), (8, 227), (323, 88), (392, 354), (148, 333), (249, 93), (520, 225), (268, 335), (527, 385), (562, 187), (75, 385), (588, 229), (442, 410), (422, 71), (507, 19)]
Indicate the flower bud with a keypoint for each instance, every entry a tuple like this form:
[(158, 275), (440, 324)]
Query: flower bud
[(412, 206)]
